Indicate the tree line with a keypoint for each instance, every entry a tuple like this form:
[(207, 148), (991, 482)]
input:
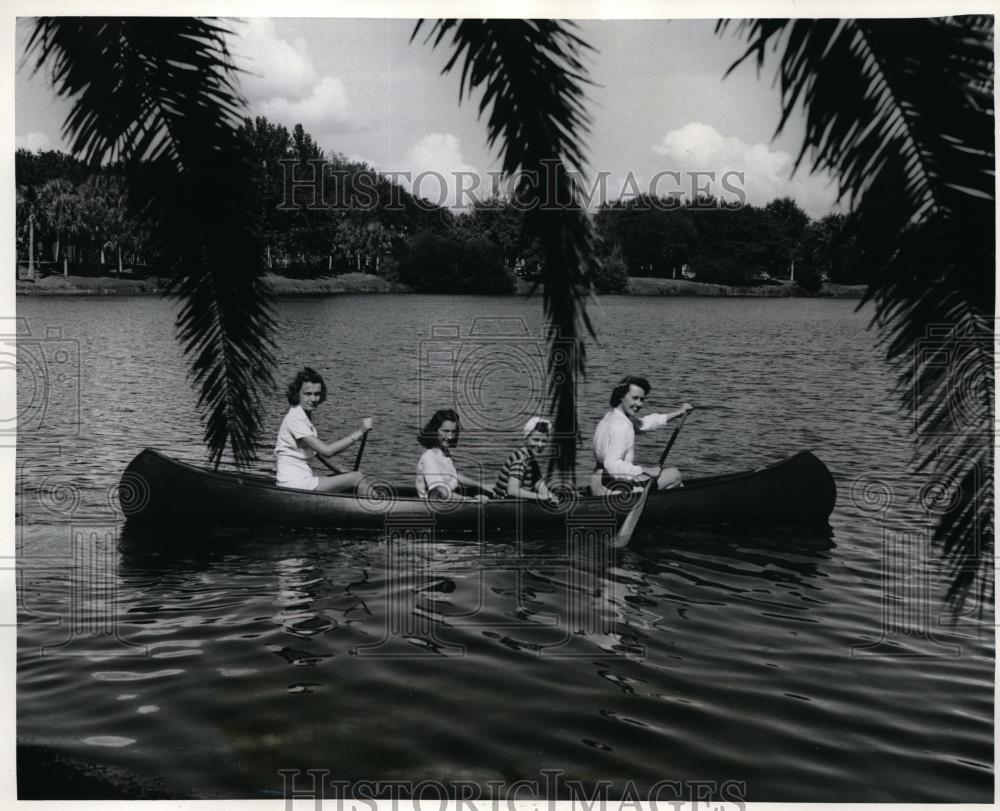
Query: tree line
[(319, 215), (710, 241)]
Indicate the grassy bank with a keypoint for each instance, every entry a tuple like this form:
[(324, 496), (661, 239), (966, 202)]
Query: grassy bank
[(638, 286), (366, 283), (346, 283), (647, 286), (112, 286)]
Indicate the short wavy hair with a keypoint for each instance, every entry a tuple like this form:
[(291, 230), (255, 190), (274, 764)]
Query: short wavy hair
[(428, 434), (621, 389), (305, 375)]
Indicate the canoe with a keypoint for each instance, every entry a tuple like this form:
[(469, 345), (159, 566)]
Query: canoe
[(158, 489)]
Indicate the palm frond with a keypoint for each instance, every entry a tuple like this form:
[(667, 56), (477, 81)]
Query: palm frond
[(901, 111), (158, 94), (532, 80)]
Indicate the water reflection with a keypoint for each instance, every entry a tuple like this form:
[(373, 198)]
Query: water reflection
[(543, 596)]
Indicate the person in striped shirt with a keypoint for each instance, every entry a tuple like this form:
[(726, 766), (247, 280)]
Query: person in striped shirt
[(521, 476)]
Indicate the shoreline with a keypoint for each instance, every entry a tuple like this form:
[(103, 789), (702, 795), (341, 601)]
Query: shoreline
[(366, 283)]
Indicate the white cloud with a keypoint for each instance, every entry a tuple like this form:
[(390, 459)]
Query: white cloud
[(33, 141), (282, 82), (327, 103), (436, 168), (767, 173), (275, 67)]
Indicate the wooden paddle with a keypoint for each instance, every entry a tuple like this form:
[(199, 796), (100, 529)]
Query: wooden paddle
[(361, 450), (332, 467), (357, 461), (628, 525)]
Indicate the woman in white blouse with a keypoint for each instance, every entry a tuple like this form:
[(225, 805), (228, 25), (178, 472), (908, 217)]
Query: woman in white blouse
[(298, 441), (436, 474), (614, 440)]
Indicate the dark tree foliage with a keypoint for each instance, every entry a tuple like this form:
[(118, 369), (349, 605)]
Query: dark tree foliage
[(321, 213), (159, 95), (656, 235), (611, 274), (499, 221), (35, 169), (434, 263), (828, 250), (718, 243), (784, 227), (901, 112)]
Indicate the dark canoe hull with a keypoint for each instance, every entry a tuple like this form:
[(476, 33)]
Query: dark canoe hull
[(158, 489)]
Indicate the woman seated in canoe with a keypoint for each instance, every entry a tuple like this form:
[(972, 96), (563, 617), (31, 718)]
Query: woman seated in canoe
[(436, 474), (521, 475), (614, 440), (298, 441)]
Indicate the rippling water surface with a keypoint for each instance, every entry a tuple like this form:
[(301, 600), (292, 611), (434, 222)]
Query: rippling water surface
[(810, 665)]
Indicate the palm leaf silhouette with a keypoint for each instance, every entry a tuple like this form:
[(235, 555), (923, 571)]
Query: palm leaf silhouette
[(901, 111), (158, 95), (532, 81)]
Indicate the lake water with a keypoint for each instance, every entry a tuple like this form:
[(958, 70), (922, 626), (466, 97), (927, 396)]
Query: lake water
[(814, 665)]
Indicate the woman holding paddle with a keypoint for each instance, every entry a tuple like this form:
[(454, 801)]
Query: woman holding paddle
[(298, 441), (614, 440)]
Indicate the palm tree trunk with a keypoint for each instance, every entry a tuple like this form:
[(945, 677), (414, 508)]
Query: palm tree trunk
[(31, 247)]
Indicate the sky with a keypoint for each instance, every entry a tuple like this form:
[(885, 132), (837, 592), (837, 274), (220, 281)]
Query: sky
[(658, 104)]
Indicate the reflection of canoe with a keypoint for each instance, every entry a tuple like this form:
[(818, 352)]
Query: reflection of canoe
[(156, 488)]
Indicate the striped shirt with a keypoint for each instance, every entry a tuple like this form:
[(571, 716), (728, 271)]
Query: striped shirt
[(522, 464)]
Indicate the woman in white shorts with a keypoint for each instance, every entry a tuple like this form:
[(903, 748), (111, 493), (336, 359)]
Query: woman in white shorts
[(298, 442)]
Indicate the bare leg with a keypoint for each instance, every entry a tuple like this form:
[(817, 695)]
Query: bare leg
[(670, 477), (342, 481)]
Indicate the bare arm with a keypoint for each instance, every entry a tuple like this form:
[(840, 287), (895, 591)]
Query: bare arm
[(653, 421), (331, 448), (440, 493), (468, 481), (540, 493)]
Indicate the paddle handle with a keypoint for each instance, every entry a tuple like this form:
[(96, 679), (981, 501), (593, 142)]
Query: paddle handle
[(361, 450), (331, 467), (673, 438)]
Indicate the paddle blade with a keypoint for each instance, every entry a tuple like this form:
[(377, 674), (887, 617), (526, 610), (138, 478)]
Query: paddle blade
[(632, 519)]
